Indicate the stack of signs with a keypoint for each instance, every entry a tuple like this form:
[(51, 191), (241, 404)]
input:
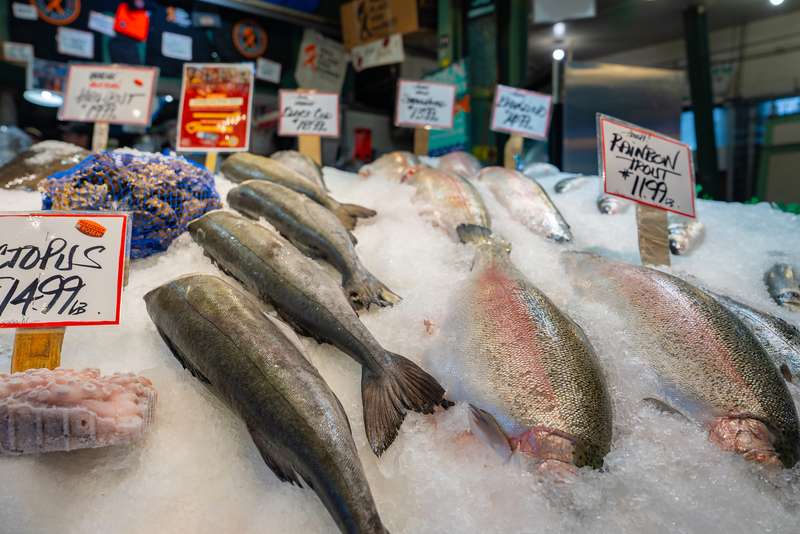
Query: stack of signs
[(458, 138), (321, 63)]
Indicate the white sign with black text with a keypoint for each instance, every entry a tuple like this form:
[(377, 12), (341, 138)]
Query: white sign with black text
[(309, 113), (521, 112), (176, 46), (267, 70), (75, 43), (102, 23), (645, 166), (61, 269), (424, 104), (377, 53), (17, 52), (24, 11), (118, 95)]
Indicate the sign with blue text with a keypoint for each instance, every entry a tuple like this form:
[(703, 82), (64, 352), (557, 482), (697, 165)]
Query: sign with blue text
[(645, 166), (521, 112)]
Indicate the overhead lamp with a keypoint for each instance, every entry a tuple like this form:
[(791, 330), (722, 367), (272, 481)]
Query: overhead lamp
[(559, 29), (558, 54), (168, 98), (43, 97), (776, 2)]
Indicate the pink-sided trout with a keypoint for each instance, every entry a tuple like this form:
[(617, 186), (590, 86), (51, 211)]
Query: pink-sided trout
[(708, 363), (391, 166), (463, 164), (526, 369)]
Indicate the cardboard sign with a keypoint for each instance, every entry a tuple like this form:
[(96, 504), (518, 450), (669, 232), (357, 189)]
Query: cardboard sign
[(381, 52), (364, 21), (309, 114), (268, 70), (59, 269), (17, 52), (321, 63), (118, 95), (425, 104), (101, 23), (644, 166), (216, 102), (75, 43), (521, 112)]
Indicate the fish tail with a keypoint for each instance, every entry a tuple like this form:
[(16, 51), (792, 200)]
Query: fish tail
[(367, 290), (348, 213), (473, 233), (386, 397)]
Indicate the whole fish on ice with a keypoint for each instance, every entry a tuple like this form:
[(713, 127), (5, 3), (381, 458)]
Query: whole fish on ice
[(526, 369), (314, 304), (573, 182), (244, 166), (392, 166), (527, 202), (260, 369), (447, 199), (302, 164), (539, 170), (685, 234), (315, 231), (707, 363), (463, 164), (783, 286), (611, 205)]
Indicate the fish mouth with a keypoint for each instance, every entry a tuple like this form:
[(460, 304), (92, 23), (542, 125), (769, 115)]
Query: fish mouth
[(790, 299), (745, 436)]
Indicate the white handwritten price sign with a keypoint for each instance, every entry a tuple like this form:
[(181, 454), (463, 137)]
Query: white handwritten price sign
[(309, 113), (645, 166), (425, 104), (59, 269), (118, 95), (521, 112)]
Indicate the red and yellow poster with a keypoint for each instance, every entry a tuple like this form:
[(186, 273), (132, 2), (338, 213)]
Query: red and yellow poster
[(216, 101)]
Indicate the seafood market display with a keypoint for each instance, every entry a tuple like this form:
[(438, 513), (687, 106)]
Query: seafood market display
[(302, 164), (463, 164), (784, 285), (63, 410), (392, 166), (28, 168)]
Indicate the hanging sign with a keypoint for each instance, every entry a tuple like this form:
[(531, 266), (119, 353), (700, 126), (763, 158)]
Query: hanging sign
[(268, 70), (381, 52), (76, 43), (249, 38), (58, 12), (425, 104), (321, 63), (176, 46), (645, 166), (59, 269), (17, 52), (99, 93), (521, 112), (216, 102), (102, 23), (309, 113), (24, 11)]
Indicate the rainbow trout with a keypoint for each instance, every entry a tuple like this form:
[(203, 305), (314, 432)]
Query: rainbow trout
[(244, 166), (391, 166), (314, 304), (260, 369), (706, 360), (302, 164), (528, 372), (463, 164)]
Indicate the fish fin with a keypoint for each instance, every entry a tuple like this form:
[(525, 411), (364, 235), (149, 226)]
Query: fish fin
[(181, 357), (787, 374), (308, 250), (276, 461), (352, 237), (473, 233), (486, 428), (222, 268), (386, 397), (348, 213), (369, 290), (662, 406), (297, 327)]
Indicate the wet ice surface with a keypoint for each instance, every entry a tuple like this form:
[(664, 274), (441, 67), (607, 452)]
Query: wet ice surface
[(196, 469)]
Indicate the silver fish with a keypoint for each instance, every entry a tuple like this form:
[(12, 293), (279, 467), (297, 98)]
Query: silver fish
[(527, 202), (685, 234), (463, 164), (314, 304), (315, 231), (260, 369), (391, 166), (302, 164), (611, 205), (707, 363), (539, 170), (572, 183), (526, 369), (783, 286)]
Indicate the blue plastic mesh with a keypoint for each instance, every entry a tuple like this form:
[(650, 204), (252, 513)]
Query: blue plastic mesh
[(164, 193)]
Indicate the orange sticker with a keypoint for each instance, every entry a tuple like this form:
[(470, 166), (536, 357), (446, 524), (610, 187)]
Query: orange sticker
[(90, 228)]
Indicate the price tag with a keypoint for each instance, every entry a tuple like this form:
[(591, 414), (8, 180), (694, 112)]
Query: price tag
[(61, 269), (309, 114), (17, 52), (75, 43), (645, 166), (521, 112), (119, 95), (101, 23), (24, 11), (425, 104), (267, 70)]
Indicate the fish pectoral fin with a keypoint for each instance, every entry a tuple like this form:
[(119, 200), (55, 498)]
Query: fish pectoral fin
[(280, 465), (786, 372), (181, 357), (662, 406), (486, 428), (352, 237), (308, 250), (297, 327)]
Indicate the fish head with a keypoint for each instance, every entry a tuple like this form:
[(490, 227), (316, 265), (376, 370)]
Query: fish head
[(546, 448), (755, 440), (678, 244)]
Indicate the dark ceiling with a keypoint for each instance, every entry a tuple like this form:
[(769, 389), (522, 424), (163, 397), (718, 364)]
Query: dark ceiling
[(627, 24)]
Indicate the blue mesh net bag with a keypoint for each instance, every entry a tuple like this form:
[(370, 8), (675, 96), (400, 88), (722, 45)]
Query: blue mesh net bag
[(164, 193)]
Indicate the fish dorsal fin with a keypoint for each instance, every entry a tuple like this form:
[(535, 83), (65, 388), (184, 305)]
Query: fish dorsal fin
[(662, 406), (486, 428), (280, 465)]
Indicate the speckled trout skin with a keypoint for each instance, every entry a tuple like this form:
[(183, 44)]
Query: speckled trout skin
[(709, 365), (391, 166), (463, 164), (525, 367), (313, 230), (448, 199), (783, 284), (244, 166), (315, 305), (527, 202), (259, 368), (302, 164)]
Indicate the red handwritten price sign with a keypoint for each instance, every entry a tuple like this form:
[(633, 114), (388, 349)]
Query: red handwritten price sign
[(117, 95), (59, 269), (645, 166), (309, 113), (425, 104), (521, 112)]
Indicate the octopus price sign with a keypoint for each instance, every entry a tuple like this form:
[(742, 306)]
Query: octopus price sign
[(425, 104), (216, 102), (521, 112), (59, 269), (645, 166), (309, 113), (117, 95)]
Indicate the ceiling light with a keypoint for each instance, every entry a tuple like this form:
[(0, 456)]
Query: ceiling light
[(168, 98), (776, 2), (43, 98), (558, 55), (559, 29)]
